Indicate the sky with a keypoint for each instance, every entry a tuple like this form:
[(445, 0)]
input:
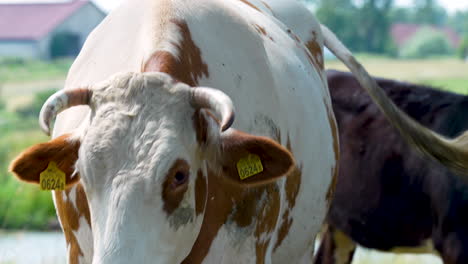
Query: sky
[(450, 5)]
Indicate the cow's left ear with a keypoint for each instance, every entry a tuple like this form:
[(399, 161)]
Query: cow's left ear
[(240, 157), (252, 160), (63, 151)]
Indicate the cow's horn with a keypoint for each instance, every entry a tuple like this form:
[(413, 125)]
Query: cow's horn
[(216, 101), (60, 101)]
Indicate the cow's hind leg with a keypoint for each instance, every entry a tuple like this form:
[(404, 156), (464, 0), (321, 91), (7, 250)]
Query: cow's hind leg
[(335, 248)]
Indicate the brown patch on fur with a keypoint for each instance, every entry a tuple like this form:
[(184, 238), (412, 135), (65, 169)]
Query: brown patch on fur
[(200, 193), (313, 61), (295, 37), (267, 6), (251, 5), (173, 192), (267, 220), (69, 218), (34, 160), (332, 186), (293, 183), (336, 149), (311, 49), (201, 127), (188, 67), (232, 204), (262, 31), (218, 207), (292, 187), (316, 51)]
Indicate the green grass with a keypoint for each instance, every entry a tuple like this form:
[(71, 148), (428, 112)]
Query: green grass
[(20, 71), (22, 206), (446, 73), (456, 85)]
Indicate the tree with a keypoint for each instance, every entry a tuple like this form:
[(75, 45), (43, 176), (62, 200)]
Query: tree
[(426, 42), (401, 15), (459, 21), (429, 12), (339, 16), (363, 27), (374, 25), (463, 49)]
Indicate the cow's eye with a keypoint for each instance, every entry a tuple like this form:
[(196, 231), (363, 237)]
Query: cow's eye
[(180, 177)]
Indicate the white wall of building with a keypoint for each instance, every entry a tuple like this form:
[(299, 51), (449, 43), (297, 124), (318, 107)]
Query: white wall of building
[(23, 49)]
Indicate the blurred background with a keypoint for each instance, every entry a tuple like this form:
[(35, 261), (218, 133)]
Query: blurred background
[(422, 41)]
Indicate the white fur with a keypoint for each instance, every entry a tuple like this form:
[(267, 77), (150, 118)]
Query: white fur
[(85, 234)]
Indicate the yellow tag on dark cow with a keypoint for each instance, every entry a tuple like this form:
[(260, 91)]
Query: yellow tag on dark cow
[(249, 166), (52, 178)]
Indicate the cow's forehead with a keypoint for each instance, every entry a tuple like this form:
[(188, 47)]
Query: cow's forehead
[(135, 104), (143, 87)]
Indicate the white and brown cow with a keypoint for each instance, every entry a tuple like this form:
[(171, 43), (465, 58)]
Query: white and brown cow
[(150, 157)]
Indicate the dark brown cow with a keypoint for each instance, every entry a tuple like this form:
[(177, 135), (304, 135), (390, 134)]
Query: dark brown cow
[(388, 197)]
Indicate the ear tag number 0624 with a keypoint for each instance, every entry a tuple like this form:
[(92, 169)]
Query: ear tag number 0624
[(249, 166), (52, 178)]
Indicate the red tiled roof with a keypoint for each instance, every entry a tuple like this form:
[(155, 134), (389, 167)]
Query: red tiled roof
[(401, 33), (33, 21)]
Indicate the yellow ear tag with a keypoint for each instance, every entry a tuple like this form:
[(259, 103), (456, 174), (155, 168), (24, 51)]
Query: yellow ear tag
[(52, 178), (249, 166)]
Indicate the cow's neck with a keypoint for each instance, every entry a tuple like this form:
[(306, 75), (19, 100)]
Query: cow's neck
[(228, 206)]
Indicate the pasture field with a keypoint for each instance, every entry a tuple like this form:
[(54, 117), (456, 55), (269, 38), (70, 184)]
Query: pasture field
[(20, 70), (25, 207), (444, 73)]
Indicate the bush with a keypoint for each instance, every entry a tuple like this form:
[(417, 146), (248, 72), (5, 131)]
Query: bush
[(391, 49), (33, 109), (12, 61), (22, 206), (463, 49), (2, 101), (426, 43)]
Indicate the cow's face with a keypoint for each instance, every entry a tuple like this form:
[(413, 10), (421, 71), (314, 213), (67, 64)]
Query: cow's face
[(142, 159)]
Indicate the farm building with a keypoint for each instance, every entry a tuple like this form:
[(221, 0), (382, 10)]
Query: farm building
[(402, 33), (46, 30)]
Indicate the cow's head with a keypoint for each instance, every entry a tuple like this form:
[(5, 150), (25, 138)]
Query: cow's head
[(142, 158)]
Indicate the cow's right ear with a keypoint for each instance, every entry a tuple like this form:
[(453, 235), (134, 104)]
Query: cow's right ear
[(34, 160)]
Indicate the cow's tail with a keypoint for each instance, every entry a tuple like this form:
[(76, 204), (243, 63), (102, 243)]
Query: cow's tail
[(452, 153)]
